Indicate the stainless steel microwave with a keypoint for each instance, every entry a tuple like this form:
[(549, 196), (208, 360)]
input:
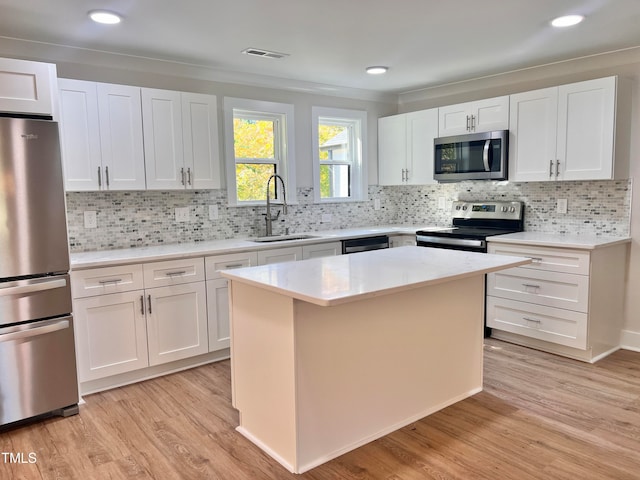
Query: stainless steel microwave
[(477, 156)]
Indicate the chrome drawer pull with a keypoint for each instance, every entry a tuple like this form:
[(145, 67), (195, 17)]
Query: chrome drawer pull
[(233, 265), (534, 320), (107, 282), (536, 259), (530, 285), (175, 274)]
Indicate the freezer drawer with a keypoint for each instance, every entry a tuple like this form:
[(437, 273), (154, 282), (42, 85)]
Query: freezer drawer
[(33, 299), (38, 373)]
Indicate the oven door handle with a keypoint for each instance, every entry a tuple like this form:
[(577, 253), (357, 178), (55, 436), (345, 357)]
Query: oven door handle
[(457, 242), (485, 156)]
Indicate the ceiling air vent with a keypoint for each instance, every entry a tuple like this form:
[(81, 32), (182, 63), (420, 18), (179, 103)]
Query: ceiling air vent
[(258, 52)]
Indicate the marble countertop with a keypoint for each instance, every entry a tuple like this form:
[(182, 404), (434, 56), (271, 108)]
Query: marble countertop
[(123, 256), (585, 242), (344, 278)]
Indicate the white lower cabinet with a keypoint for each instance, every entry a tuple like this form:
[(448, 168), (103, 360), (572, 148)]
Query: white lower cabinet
[(329, 249), (218, 294), (402, 240), (111, 334), (125, 323), (279, 255), (568, 301)]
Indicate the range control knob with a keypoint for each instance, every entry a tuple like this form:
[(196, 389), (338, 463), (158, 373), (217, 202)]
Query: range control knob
[(503, 208), (512, 209), (464, 207), (457, 207)]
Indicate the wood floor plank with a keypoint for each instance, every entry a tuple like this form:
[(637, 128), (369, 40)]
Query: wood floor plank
[(540, 417)]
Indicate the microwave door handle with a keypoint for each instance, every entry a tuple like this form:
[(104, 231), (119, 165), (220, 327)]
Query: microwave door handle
[(485, 156)]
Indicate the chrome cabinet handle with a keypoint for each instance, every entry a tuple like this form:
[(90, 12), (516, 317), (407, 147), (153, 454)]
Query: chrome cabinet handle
[(551, 168), (106, 172), (468, 123), (149, 299), (99, 178), (175, 274), (142, 304), (473, 123), (182, 175), (189, 176), (557, 167)]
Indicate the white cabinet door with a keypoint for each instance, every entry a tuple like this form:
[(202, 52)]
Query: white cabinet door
[(533, 129), (200, 138), (405, 148), (164, 152), (402, 241), (474, 117), (111, 335), (586, 120), (422, 129), (176, 322), (27, 87), (392, 149), (279, 255), (80, 134), (330, 249), (490, 114), (120, 115), (218, 314)]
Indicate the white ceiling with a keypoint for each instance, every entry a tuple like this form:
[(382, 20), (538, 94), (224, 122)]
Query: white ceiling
[(330, 42)]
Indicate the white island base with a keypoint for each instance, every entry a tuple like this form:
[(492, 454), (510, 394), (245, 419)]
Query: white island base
[(312, 382)]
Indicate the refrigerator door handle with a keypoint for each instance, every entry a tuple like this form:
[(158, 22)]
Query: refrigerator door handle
[(33, 332), (36, 286)]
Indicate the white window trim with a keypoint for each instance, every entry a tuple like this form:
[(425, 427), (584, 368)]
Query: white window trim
[(359, 169), (287, 142)]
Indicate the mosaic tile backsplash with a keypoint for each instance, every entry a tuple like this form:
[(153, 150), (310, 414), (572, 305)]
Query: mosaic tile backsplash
[(131, 219)]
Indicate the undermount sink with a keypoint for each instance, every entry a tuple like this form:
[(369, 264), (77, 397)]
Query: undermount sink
[(282, 238)]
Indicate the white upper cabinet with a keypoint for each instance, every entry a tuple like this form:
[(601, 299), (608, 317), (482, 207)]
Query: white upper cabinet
[(181, 140), (564, 133), (101, 136), (27, 87), (474, 117), (405, 148), (162, 113)]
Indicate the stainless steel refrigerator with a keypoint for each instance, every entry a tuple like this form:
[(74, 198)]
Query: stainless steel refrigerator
[(37, 351)]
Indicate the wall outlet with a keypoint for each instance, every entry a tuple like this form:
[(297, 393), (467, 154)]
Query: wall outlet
[(213, 212), (442, 203), (327, 218), (376, 204), (90, 219), (561, 206), (182, 214)]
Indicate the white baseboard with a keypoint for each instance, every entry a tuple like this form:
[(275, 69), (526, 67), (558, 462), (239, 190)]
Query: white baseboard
[(630, 340)]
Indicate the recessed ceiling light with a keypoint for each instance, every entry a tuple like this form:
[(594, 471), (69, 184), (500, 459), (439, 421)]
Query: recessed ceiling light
[(103, 16), (377, 70), (567, 21)]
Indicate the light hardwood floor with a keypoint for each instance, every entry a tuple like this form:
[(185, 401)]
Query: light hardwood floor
[(539, 417)]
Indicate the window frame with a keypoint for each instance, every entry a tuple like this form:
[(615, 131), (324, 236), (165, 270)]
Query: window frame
[(356, 120), (284, 145)]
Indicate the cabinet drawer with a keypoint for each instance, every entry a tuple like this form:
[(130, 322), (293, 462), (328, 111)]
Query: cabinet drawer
[(173, 272), (560, 290), (279, 255), (555, 325), (215, 263), (545, 258), (100, 281)]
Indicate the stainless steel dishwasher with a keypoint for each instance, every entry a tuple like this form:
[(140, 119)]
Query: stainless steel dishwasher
[(354, 245)]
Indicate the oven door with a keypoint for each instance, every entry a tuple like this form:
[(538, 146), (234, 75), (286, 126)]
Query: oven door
[(452, 243)]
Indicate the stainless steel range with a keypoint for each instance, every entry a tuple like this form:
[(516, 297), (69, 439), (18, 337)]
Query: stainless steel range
[(472, 223)]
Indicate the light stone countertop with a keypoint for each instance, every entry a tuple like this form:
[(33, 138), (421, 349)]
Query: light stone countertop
[(345, 278), (124, 256), (584, 242)]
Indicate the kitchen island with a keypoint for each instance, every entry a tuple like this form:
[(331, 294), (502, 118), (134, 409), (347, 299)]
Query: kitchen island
[(331, 353)]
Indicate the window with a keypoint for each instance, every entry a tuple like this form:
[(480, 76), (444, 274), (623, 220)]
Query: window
[(339, 152), (258, 136)]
